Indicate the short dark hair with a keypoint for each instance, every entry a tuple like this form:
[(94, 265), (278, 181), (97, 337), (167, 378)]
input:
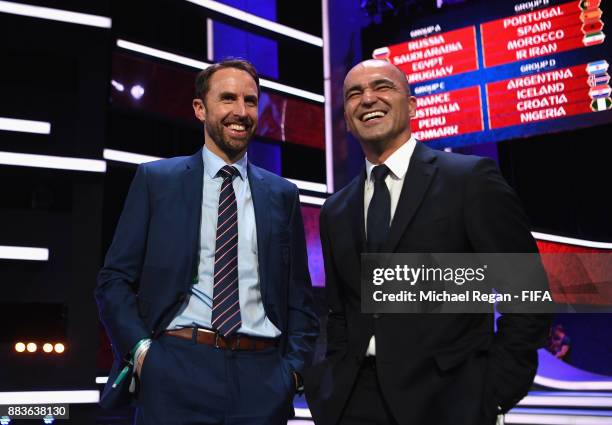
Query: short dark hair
[(203, 78)]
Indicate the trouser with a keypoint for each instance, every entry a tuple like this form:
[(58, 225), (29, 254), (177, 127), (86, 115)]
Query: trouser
[(186, 383), (366, 404)]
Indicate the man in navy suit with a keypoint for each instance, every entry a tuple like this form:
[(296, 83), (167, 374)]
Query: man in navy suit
[(205, 292)]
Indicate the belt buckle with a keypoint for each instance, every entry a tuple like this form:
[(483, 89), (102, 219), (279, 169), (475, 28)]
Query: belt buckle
[(217, 339)]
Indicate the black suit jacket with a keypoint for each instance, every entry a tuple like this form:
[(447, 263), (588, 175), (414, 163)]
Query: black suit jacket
[(433, 368)]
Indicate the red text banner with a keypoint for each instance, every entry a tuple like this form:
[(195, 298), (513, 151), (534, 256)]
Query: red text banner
[(438, 56), (539, 97), (540, 33), (450, 113)]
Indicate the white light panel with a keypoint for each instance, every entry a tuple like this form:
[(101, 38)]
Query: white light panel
[(160, 54), (55, 14), (571, 241), (132, 158), (57, 162), (311, 186), (266, 24), (25, 126), (23, 253), (305, 199), (50, 397), (555, 419), (573, 385)]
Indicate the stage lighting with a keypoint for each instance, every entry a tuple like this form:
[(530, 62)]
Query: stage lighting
[(20, 347), (59, 348), (5, 420), (373, 8), (47, 348), (117, 85), (370, 7), (31, 347), (137, 91)]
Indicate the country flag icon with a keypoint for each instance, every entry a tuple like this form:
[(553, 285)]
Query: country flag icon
[(598, 79), (381, 53), (591, 15), (598, 92), (597, 67), (592, 26), (593, 38), (589, 4), (603, 104)]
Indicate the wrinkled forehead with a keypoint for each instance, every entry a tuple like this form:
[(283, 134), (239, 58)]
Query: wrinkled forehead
[(372, 70), (233, 79)]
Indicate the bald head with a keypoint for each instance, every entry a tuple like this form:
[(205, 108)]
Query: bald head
[(378, 65)]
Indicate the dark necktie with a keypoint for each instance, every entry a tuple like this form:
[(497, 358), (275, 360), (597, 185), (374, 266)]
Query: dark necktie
[(379, 210), (226, 305)]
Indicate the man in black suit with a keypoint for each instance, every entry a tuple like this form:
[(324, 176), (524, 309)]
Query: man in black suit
[(416, 369)]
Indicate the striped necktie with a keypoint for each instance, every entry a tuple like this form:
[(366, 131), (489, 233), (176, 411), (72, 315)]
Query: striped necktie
[(226, 304)]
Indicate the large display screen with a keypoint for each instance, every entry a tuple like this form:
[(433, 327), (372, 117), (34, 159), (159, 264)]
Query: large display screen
[(486, 71)]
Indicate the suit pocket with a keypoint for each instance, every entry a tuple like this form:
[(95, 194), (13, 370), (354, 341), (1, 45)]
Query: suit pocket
[(489, 397), (143, 307), (287, 377), (451, 358), (511, 374), (149, 367)]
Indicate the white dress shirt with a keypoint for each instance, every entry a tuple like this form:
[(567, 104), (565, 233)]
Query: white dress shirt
[(196, 311)]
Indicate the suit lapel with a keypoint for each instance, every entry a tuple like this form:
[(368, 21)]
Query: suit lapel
[(193, 180), (421, 171), (261, 196), (354, 202)]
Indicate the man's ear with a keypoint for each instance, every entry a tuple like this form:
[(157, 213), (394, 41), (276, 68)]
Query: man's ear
[(412, 106), (346, 123), (199, 109)]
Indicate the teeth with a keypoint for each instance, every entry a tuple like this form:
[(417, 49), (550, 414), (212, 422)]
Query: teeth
[(237, 127), (375, 114)]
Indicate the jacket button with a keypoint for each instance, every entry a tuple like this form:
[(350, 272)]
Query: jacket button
[(376, 315)]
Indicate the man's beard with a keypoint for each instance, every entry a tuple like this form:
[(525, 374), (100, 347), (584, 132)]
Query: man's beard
[(230, 146)]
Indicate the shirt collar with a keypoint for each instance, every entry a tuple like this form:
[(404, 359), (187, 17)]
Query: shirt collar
[(397, 162), (213, 163)]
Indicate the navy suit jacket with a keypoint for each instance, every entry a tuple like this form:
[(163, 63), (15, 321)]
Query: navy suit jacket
[(153, 261)]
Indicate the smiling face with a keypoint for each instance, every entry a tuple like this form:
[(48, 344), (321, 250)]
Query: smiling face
[(378, 107), (229, 112)]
